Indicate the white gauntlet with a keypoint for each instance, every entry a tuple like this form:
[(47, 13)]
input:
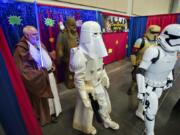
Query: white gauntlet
[(85, 98), (141, 86)]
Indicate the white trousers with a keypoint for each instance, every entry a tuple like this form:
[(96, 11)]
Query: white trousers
[(54, 103)]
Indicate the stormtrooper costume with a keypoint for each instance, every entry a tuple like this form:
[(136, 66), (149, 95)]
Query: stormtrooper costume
[(139, 48), (154, 73), (90, 79), (143, 43)]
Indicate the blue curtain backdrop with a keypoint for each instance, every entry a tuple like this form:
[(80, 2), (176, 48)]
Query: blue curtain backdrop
[(25, 15), (137, 28), (10, 116), (178, 18), (100, 19), (7, 1)]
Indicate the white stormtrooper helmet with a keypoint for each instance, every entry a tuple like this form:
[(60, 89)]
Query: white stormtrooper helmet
[(91, 42), (169, 38)]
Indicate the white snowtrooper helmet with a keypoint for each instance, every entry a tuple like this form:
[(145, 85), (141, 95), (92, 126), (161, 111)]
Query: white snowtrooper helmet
[(91, 42), (169, 38)]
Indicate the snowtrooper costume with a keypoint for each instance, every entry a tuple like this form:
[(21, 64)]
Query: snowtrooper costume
[(90, 79), (155, 73)]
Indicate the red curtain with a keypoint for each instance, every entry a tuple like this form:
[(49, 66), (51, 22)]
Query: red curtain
[(116, 46), (30, 121), (161, 20)]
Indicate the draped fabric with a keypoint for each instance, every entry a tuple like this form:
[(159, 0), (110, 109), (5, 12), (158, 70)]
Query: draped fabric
[(100, 19), (178, 18), (161, 20), (7, 1), (49, 33), (24, 13), (137, 28), (116, 46), (16, 114), (10, 116)]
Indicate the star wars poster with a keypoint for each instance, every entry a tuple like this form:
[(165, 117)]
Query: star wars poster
[(115, 24)]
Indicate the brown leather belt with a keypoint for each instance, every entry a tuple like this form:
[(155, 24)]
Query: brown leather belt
[(50, 71)]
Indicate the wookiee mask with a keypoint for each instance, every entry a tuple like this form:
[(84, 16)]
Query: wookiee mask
[(71, 25)]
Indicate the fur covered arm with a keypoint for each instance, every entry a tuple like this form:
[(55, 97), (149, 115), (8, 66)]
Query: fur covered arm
[(78, 66)]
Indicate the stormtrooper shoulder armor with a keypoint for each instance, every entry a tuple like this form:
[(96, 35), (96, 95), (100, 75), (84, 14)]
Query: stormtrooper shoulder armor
[(151, 54), (77, 60), (138, 43)]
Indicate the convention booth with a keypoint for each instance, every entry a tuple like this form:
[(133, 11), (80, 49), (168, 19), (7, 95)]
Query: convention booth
[(115, 31), (119, 34), (21, 14)]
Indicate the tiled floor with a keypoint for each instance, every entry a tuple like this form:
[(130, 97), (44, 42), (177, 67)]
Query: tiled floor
[(123, 107)]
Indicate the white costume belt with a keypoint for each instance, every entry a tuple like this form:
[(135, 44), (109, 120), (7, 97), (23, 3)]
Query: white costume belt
[(156, 84)]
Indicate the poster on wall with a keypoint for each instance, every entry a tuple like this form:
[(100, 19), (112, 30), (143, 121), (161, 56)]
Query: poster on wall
[(114, 24)]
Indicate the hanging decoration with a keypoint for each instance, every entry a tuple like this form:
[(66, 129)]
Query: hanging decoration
[(79, 23), (14, 20), (49, 22)]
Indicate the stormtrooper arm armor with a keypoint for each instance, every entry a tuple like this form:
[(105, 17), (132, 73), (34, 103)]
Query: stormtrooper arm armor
[(135, 50), (105, 79), (149, 56), (78, 66)]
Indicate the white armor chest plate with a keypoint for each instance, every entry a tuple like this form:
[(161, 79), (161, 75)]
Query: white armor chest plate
[(158, 72), (94, 71)]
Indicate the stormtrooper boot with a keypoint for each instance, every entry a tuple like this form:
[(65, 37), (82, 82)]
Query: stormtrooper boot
[(93, 131), (149, 126), (108, 123)]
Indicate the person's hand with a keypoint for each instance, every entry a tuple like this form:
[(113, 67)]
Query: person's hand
[(134, 67), (86, 103), (53, 68), (141, 96), (53, 54), (169, 84)]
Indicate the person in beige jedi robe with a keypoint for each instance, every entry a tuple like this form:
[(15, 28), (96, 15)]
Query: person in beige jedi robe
[(38, 80)]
